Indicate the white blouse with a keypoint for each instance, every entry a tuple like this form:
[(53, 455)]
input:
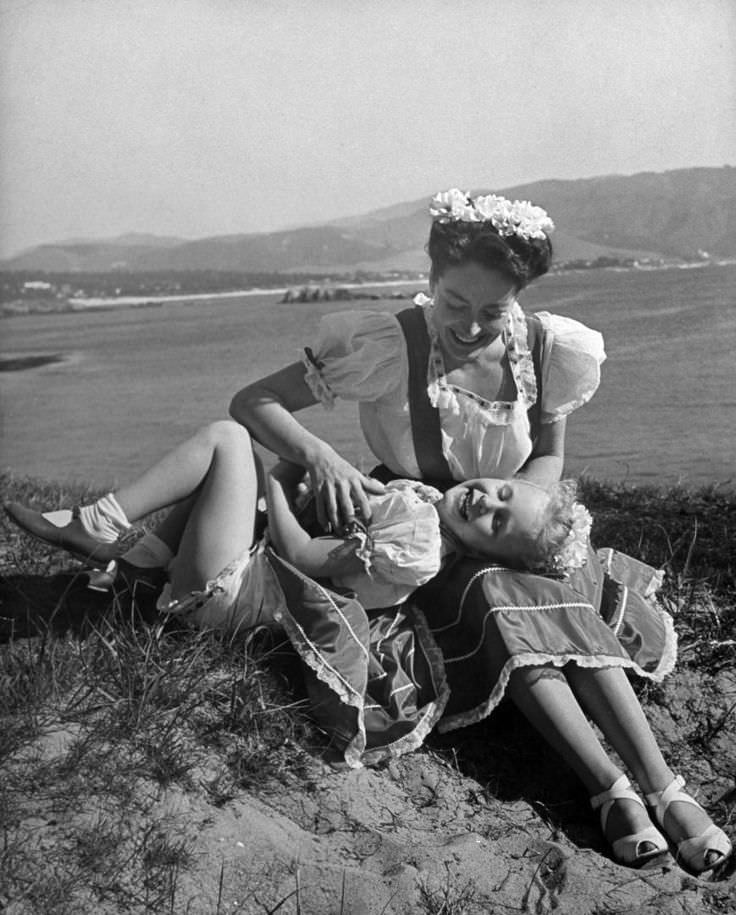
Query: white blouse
[(402, 547), (361, 356)]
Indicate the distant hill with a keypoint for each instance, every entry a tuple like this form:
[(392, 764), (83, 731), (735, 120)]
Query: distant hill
[(674, 214)]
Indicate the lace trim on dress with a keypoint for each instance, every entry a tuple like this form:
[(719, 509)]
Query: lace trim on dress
[(310, 653), (354, 753), (534, 659), (520, 356), (316, 383), (444, 395), (566, 409), (433, 710), (195, 600)]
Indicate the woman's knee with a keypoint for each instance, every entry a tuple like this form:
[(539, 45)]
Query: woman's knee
[(530, 676)]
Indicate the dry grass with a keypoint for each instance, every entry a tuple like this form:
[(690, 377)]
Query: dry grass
[(691, 534), (105, 711), (101, 707)]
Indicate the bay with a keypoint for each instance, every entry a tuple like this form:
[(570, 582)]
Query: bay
[(134, 381)]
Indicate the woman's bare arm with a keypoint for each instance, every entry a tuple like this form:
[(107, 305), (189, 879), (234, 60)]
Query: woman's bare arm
[(545, 463), (265, 408)]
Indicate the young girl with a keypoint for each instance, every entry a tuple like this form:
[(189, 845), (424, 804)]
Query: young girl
[(378, 685), (218, 573)]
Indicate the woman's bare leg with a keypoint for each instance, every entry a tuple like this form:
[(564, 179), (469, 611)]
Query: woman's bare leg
[(609, 699), (544, 696)]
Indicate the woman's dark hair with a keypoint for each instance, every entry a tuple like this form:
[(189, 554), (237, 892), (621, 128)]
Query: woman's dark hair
[(456, 242)]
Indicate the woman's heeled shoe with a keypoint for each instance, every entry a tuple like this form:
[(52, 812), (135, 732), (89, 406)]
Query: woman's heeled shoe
[(700, 853), (71, 537), (637, 849)]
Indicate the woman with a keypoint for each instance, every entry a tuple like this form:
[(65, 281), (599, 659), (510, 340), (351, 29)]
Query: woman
[(466, 385), (461, 386)]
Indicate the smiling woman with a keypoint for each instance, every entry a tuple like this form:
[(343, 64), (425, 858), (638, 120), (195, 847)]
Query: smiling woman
[(472, 304), (463, 385)]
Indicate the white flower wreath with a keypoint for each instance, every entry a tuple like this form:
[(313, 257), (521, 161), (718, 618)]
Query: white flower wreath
[(508, 217)]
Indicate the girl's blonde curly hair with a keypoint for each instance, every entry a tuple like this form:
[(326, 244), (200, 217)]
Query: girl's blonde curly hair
[(562, 540)]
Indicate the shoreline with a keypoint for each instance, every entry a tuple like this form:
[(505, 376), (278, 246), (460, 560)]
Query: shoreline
[(77, 304), (108, 302)]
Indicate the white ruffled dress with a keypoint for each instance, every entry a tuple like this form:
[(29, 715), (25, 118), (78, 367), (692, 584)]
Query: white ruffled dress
[(361, 356), (401, 549)]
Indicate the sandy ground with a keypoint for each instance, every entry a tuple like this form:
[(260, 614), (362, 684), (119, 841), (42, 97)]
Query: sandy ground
[(448, 829), (420, 835)]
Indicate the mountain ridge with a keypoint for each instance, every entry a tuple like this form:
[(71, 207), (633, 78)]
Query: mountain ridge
[(680, 214)]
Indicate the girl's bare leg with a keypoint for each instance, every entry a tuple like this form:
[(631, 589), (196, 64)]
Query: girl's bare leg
[(177, 475), (171, 528), (220, 525)]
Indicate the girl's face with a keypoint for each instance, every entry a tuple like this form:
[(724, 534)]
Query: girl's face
[(471, 308), (494, 518)]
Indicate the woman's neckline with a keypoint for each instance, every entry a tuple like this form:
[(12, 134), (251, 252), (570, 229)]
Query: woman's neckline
[(437, 370)]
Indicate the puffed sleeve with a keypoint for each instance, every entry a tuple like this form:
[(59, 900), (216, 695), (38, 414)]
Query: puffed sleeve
[(357, 355), (403, 543), (571, 365)]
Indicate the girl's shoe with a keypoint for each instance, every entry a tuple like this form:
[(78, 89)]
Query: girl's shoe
[(71, 537), (700, 853), (119, 575), (640, 847)]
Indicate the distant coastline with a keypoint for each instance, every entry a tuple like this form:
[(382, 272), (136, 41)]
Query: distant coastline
[(64, 304), (56, 302)]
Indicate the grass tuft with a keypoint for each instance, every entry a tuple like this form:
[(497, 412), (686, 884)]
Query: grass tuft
[(104, 709), (690, 533)]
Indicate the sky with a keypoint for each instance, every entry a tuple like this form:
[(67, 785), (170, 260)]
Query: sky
[(195, 118)]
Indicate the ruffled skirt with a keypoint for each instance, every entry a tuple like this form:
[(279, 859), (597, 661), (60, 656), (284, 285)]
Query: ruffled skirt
[(380, 682), (489, 621)]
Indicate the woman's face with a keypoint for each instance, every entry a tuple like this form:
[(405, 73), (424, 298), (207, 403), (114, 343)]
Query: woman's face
[(495, 518), (471, 308)]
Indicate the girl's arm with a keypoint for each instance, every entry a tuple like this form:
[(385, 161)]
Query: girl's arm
[(544, 466), (319, 557), (265, 408)]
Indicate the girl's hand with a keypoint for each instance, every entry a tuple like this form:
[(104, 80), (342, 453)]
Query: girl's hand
[(341, 491)]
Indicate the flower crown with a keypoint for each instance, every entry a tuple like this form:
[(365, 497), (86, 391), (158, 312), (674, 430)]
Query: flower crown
[(508, 217), (574, 551)]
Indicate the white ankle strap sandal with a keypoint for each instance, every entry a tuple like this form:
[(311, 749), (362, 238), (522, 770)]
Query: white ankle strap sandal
[(628, 849), (700, 853)]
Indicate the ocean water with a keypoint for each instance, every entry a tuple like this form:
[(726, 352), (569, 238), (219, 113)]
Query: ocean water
[(133, 382)]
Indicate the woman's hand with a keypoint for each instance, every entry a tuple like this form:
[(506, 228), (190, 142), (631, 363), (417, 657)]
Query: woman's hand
[(340, 490), (265, 408)]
